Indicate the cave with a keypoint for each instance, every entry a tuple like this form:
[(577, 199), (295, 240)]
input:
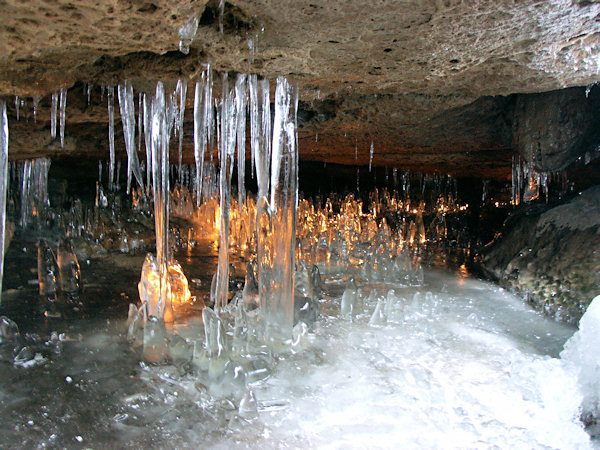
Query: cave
[(300, 224)]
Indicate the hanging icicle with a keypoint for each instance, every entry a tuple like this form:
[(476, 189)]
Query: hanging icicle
[(111, 138), (62, 115), (3, 184), (127, 108), (241, 99), (53, 111)]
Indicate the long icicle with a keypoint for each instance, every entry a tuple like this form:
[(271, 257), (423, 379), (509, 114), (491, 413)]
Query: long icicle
[(111, 137), (3, 184), (53, 110), (148, 141), (62, 115), (227, 153), (182, 89), (199, 138), (127, 108), (241, 100)]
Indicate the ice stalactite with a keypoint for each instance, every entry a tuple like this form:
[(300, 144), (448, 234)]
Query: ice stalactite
[(148, 140), (127, 108), (371, 156), (53, 111), (62, 115), (202, 126), (241, 99), (226, 158), (254, 117), (33, 182), (3, 183), (140, 125), (36, 103), (182, 91), (111, 137), (187, 33), (17, 104)]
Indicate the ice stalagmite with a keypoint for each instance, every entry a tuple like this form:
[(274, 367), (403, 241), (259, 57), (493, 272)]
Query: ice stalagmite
[(279, 308), (62, 115), (226, 156), (241, 99), (111, 137), (53, 110), (3, 183), (128, 118)]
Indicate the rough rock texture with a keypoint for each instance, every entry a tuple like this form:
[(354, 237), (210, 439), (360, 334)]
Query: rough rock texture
[(421, 79), (552, 255), (553, 129)]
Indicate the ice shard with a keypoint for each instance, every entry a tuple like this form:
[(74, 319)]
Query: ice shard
[(279, 307), (69, 271), (187, 33), (111, 137), (127, 108), (3, 183), (47, 270), (62, 115)]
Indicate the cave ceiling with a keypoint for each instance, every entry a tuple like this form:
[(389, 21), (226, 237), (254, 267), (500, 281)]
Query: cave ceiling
[(431, 83)]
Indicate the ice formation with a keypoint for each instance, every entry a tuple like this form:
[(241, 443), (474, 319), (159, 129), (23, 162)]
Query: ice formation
[(187, 33), (127, 107), (62, 115), (3, 183), (582, 353), (111, 137), (53, 111)]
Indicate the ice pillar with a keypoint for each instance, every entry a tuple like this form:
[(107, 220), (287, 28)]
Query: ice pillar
[(279, 306)]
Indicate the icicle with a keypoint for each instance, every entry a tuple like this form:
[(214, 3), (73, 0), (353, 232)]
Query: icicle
[(36, 103), (187, 33), (266, 135), (371, 156), (227, 154), (140, 124), (127, 108), (182, 89), (3, 184), (148, 141), (221, 12), (254, 119), (279, 305), (111, 137), (53, 110), (89, 93), (17, 104), (62, 115), (241, 99), (202, 126)]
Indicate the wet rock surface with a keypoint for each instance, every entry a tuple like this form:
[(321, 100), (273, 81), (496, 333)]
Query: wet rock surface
[(552, 255)]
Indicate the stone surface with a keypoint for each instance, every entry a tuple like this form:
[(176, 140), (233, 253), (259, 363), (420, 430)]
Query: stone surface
[(553, 129), (552, 255), (425, 81)]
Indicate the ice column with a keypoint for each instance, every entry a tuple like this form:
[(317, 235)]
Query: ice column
[(3, 183), (160, 178), (111, 137), (241, 99), (226, 156), (279, 307), (127, 108), (62, 115)]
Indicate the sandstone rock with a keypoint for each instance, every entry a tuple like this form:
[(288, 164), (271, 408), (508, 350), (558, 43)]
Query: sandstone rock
[(553, 129), (552, 255)]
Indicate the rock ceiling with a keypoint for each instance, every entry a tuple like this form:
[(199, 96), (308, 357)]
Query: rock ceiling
[(430, 83)]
